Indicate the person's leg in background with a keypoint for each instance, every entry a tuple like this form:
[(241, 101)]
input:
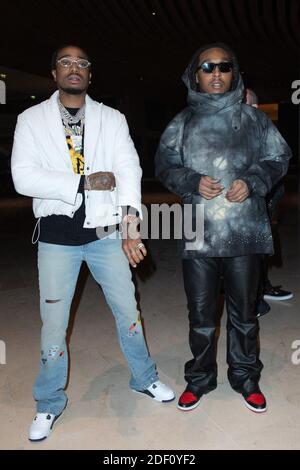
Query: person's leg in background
[(262, 307), (274, 292)]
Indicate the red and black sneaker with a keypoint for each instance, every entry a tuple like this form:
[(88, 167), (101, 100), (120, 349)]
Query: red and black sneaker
[(188, 401), (256, 402)]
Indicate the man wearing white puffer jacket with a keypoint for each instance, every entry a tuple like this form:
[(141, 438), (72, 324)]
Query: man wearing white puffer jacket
[(75, 157)]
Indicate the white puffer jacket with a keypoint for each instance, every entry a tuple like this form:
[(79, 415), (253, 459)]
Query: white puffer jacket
[(42, 168)]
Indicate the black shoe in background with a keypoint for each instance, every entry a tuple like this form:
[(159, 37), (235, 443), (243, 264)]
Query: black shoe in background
[(275, 293), (262, 308)]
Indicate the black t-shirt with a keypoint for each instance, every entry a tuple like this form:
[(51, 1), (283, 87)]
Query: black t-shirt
[(64, 230)]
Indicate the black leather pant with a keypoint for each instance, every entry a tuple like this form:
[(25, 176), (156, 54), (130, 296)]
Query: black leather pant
[(202, 280)]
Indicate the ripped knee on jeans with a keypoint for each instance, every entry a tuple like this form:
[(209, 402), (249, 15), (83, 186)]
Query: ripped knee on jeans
[(48, 301)]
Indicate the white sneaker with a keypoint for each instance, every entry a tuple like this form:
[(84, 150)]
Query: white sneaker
[(41, 426), (159, 392)]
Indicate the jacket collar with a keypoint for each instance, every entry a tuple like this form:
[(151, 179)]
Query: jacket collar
[(210, 103), (91, 131)]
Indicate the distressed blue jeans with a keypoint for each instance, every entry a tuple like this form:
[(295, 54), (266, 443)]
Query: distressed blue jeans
[(59, 267)]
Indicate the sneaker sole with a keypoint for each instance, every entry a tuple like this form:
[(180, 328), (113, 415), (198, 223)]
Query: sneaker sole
[(190, 408), (255, 409), (279, 297), (149, 394), (54, 421)]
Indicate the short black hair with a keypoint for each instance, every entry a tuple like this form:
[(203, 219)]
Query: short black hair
[(63, 46)]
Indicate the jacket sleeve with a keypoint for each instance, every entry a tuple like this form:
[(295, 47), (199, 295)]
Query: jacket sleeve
[(127, 170), (272, 164), (30, 177), (169, 167)]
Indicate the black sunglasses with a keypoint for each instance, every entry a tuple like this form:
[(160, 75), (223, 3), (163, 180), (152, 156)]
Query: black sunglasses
[(209, 67)]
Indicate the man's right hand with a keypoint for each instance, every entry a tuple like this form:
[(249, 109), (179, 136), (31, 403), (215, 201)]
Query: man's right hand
[(100, 181), (209, 188)]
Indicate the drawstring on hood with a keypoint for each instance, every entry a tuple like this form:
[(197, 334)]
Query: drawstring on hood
[(209, 102)]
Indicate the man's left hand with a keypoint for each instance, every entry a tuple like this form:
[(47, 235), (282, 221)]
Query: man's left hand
[(134, 250), (238, 191)]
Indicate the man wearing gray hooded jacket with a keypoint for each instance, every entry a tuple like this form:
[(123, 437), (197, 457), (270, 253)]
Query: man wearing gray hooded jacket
[(226, 156)]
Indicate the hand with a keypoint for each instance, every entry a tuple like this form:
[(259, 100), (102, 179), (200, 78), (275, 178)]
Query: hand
[(134, 250), (209, 188), (238, 191), (100, 181)]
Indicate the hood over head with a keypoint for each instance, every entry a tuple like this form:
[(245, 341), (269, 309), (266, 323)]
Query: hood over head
[(212, 102), (189, 76)]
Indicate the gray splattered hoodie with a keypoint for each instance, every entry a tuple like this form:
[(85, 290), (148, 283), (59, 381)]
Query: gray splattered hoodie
[(219, 136)]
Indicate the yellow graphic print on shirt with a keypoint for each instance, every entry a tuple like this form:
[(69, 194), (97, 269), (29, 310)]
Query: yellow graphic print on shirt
[(77, 158)]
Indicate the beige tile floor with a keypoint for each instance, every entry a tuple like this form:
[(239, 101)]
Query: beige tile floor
[(103, 413)]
